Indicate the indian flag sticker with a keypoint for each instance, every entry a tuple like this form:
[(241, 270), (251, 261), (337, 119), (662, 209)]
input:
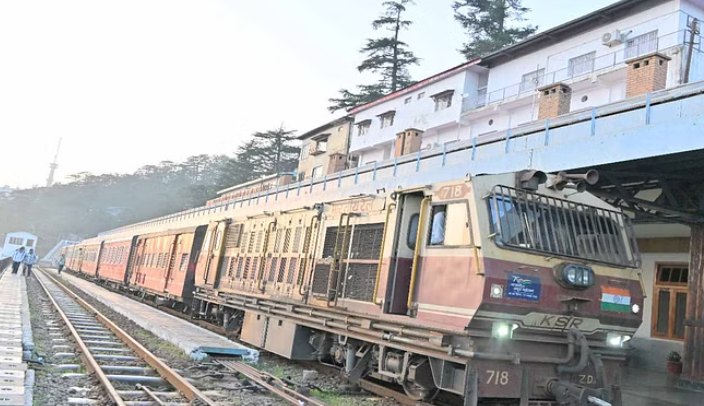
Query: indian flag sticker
[(615, 299)]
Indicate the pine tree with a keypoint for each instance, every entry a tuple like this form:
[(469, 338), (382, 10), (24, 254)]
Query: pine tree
[(487, 25), (386, 56), (274, 152)]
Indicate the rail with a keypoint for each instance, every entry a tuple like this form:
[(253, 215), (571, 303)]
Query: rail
[(90, 354)]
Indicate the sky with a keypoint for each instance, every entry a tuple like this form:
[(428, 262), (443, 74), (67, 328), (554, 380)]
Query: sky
[(136, 82)]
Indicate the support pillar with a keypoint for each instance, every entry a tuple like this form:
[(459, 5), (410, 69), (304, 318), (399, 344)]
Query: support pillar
[(693, 357)]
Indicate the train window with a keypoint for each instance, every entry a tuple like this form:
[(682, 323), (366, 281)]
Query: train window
[(437, 225), (184, 262), (412, 235), (450, 225), (218, 240)]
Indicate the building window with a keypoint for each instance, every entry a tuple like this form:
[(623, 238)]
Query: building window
[(387, 119), (305, 149), (443, 100), (407, 100), (670, 301), (449, 225), (301, 176), (317, 172), (581, 65), (319, 144), (421, 95), (532, 80), (641, 45), (30, 243), (16, 240), (363, 127)]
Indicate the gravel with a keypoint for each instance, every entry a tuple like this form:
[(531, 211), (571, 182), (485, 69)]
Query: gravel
[(330, 388), (50, 388)]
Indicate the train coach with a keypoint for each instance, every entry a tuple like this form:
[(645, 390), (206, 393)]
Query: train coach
[(509, 289)]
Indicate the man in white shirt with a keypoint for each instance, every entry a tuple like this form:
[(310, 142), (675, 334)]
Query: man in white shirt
[(29, 261), (17, 259)]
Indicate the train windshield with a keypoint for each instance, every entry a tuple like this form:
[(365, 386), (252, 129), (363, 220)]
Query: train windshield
[(556, 227)]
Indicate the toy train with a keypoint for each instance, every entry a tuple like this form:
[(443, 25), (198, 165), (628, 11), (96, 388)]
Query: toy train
[(506, 289)]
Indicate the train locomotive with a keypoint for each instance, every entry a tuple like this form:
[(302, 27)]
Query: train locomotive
[(511, 289)]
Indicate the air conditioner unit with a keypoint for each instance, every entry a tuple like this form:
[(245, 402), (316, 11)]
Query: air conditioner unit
[(612, 38)]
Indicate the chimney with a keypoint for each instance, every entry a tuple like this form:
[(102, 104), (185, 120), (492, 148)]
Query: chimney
[(647, 73), (555, 100), (336, 163), (408, 142)]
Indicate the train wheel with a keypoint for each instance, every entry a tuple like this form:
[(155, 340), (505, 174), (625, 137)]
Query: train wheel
[(417, 392), (422, 387)]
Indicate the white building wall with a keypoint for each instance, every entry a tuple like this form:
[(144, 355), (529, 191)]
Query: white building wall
[(9, 249), (664, 18), (413, 110)]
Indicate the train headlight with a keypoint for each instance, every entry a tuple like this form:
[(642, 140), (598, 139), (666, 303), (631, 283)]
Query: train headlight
[(503, 330), (635, 308), (574, 276), (616, 340), (497, 291)]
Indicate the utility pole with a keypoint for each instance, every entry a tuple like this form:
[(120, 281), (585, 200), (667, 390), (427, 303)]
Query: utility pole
[(693, 26), (53, 166)]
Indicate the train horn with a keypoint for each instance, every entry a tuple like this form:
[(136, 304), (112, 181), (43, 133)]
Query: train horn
[(591, 177), (530, 180)]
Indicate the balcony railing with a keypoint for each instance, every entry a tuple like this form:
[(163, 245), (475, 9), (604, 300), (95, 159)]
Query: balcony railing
[(575, 71)]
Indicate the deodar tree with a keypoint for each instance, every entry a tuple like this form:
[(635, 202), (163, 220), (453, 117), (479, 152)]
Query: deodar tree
[(491, 25), (388, 56)]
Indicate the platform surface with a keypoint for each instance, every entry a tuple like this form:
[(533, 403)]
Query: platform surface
[(194, 340), (13, 289)]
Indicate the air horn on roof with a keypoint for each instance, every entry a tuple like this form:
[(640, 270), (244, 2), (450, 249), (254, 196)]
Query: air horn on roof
[(578, 182)]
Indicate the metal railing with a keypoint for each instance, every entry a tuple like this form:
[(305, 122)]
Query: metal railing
[(579, 70), (538, 223)]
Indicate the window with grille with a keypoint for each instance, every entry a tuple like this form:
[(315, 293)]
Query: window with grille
[(532, 80), (387, 119), (183, 265), (443, 100), (670, 301), (231, 268), (641, 45), (282, 269), (272, 269), (581, 65), (234, 235)]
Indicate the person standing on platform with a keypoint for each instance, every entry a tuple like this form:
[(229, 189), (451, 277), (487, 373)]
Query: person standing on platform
[(29, 261), (17, 259), (62, 262)]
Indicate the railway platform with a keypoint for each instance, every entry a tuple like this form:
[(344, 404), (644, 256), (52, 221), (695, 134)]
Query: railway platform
[(15, 340), (196, 341)]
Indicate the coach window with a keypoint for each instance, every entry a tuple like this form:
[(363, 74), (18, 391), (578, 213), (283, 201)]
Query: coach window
[(449, 225), (412, 231)]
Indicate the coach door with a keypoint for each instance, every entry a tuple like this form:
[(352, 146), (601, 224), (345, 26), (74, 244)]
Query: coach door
[(211, 254), (405, 254), (173, 250)]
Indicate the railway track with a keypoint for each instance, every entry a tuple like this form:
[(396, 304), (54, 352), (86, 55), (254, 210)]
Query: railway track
[(118, 361), (282, 389)]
